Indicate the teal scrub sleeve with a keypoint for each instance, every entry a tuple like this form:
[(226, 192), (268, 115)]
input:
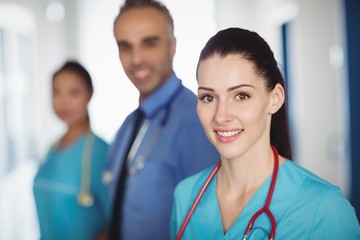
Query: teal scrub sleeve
[(335, 218)]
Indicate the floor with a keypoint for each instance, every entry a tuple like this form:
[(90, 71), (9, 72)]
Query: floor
[(17, 208)]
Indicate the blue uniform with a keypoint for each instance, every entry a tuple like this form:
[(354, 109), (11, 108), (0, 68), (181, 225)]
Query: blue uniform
[(174, 147), (56, 188), (304, 207)]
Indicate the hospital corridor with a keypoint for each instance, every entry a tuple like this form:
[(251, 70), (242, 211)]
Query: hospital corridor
[(317, 54)]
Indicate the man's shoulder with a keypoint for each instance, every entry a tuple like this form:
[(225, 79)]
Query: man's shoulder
[(186, 93), (186, 101)]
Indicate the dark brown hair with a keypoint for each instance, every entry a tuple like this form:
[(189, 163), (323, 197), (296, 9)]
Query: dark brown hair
[(254, 48), (78, 69), (131, 4)]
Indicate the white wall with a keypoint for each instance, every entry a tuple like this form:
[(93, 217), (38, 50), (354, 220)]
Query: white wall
[(322, 134)]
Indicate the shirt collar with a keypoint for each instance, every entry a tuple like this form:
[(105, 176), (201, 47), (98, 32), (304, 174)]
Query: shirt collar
[(161, 96)]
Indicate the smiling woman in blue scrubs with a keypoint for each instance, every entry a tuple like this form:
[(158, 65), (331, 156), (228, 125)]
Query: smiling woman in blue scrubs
[(71, 200), (242, 108)]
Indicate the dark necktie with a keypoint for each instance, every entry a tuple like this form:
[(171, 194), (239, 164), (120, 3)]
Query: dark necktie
[(115, 233)]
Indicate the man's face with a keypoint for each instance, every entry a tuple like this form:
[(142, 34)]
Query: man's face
[(146, 48)]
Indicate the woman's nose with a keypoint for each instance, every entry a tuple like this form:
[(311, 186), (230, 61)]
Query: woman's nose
[(223, 112)]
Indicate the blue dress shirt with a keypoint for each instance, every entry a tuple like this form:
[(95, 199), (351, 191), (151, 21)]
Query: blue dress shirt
[(174, 147)]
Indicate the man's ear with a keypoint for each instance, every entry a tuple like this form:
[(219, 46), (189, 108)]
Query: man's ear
[(277, 98), (173, 46)]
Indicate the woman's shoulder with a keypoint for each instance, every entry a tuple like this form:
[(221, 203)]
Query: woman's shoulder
[(306, 196), (333, 215), (192, 183), (310, 185), (306, 177), (100, 147), (100, 141)]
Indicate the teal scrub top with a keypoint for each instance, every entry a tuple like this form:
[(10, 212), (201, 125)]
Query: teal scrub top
[(304, 207), (56, 188)]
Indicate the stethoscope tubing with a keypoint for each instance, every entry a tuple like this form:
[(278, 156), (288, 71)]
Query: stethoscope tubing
[(265, 208), (197, 200), (136, 161), (85, 197)]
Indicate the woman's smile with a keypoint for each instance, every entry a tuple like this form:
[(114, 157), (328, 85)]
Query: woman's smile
[(227, 136)]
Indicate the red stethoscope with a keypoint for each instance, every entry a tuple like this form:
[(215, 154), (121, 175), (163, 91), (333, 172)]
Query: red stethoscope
[(265, 208)]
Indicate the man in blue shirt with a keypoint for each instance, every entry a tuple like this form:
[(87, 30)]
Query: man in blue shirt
[(171, 143)]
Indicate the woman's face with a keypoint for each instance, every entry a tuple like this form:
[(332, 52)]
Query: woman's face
[(70, 98), (234, 107)]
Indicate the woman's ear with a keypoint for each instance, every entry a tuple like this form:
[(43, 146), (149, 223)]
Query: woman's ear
[(277, 98), (90, 94)]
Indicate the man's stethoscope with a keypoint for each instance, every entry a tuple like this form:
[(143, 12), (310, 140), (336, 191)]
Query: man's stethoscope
[(85, 198), (265, 208), (136, 160)]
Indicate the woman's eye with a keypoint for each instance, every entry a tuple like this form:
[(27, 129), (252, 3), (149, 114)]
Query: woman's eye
[(55, 93), (75, 93), (242, 96), (206, 98)]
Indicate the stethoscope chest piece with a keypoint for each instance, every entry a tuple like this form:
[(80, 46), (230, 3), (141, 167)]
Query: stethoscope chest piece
[(85, 199)]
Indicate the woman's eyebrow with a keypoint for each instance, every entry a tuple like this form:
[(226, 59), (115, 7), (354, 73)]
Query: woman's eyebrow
[(239, 86), (229, 89), (206, 89)]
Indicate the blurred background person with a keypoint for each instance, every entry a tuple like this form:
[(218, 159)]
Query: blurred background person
[(171, 143), (38, 36), (71, 200)]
